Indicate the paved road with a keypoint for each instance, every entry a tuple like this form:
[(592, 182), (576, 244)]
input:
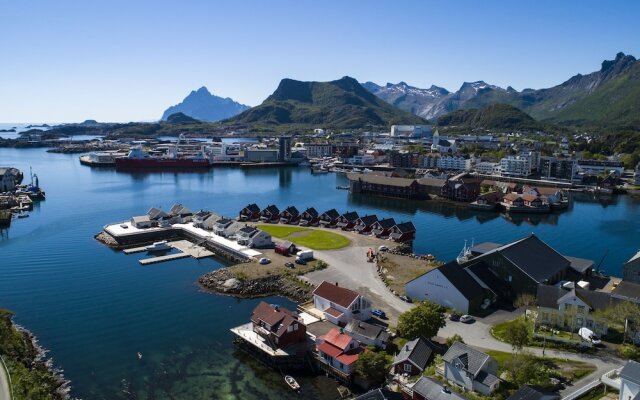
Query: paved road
[(5, 391)]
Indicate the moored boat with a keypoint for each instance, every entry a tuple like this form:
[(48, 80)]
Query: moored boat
[(158, 246), (138, 158), (293, 384)]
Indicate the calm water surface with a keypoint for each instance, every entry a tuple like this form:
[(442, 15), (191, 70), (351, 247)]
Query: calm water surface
[(95, 308)]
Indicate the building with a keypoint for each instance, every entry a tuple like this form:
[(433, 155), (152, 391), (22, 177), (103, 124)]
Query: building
[(598, 167), (290, 215), (558, 168), (413, 357), (250, 213), (382, 228), (527, 392), (381, 185), (630, 381), (277, 325), (460, 190), (515, 166), (487, 168), (369, 334), (339, 352), (180, 214), (471, 369), (405, 160), (455, 162), (270, 213), (329, 218), (226, 227), (261, 155), (364, 225), (340, 305), (9, 178), (442, 145), (285, 248), (450, 286), (430, 186), (631, 269), (429, 389), (403, 232), (141, 222), (309, 217), (410, 130), (284, 148), (361, 159), (347, 220), (636, 175), (253, 237), (319, 150)]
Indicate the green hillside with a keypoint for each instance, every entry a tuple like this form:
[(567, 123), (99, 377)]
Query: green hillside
[(343, 103), (501, 117)]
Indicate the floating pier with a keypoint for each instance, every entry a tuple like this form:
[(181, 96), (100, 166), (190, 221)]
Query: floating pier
[(159, 259), (186, 248)]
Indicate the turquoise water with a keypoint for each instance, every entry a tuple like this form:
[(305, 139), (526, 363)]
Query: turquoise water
[(94, 308)]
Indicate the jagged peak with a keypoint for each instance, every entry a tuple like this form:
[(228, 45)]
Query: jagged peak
[(621, 60)]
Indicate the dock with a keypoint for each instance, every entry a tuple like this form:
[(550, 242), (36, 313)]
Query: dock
[(186, 248), (159, 259)]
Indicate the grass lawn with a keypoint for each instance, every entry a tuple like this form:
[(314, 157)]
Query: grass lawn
[(570, 369), (498, 330), (397, 270), (311, 238)]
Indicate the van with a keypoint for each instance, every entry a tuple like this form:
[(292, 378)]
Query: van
[(305, 255), (588, 335)]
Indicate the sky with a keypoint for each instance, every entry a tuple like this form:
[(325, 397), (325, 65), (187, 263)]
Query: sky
[(118, 61)]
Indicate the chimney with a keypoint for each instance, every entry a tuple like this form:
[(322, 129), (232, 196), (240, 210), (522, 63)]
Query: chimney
[(336, 283)]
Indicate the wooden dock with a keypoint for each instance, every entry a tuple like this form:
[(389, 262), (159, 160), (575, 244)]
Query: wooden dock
[(159, 259), (186, 248), (135, 250)]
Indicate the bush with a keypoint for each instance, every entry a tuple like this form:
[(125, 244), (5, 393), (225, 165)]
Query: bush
[(629, 352)]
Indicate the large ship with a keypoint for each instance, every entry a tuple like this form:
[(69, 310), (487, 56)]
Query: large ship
[(138, 158)]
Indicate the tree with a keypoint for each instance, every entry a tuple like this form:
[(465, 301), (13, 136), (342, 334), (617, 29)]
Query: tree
[(423, 320), (455, 338), (517, 334), (373, 366), (524, 300), (524, 369)]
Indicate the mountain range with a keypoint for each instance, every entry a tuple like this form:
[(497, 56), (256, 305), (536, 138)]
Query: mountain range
[(342, 103), (609, 97), (204, 106)]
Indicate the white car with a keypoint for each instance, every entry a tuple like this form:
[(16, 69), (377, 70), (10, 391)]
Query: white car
[(264, 260), (467, 319), (383, 248)]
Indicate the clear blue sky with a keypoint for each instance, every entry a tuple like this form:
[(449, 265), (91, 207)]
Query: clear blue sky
[(67, 61)]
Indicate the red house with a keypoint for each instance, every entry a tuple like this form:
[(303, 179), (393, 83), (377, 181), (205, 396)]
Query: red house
[(329, 218), (270, 214), (250, 213), (309, 217), (338, 353), (459, 190), (364, 225), (347, 220), (277, 325), (413, 357), (290, 216), (382, 228), (403, 232)]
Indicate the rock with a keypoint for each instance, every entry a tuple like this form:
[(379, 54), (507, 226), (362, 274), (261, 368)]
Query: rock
[(231, 283)]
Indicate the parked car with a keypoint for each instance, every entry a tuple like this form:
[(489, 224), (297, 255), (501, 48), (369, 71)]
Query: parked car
[(300, 261), (467, 319), (383, 248), (289, 265), (264, 260), (379, 313), (454, 317), (406, 298)]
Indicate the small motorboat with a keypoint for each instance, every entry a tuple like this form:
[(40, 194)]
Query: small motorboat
[(292, 382), (158, 246), (139, 356), (23, 215)]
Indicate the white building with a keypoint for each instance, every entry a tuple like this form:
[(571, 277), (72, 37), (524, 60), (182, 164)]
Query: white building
[(488, 168), (315, 150), (410, 130), (253, 237), (443, 145), (630, 381), (340, 305), (515, 166), (223, 152), (455, 162), (471, 369), (361, 159)]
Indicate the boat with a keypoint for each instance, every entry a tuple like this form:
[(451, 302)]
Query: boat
[(158, 246), (23, 215), (465, 253), (101, 158), (292, 382), (138, 158), (139, 356)]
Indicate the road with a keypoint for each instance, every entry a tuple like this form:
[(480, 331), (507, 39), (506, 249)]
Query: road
[(5, 390)]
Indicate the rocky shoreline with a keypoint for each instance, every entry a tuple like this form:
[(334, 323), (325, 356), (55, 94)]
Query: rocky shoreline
[(224, 281)]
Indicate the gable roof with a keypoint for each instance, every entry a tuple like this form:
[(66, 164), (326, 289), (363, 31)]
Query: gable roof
[(336, 294), (406, 227), (433, 390), (278, 318), (367, 330), (381, 179), (333, 213), (386, 223), (631, 371), (527, 392), (461, 279), (272, 209), (311, 211), (627, 290), (432, 182), (338, 339), (417, 351), (156, 213), (375, 394), (291, 210), (247, 229), (350, 216), (471, 358), (368, 219), (252, 208), (549, 296)]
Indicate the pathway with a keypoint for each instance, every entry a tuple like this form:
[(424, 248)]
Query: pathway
[(5, 390)]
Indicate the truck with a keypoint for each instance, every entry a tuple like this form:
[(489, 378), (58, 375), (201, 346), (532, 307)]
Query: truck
[(589, 336), (305, 255)]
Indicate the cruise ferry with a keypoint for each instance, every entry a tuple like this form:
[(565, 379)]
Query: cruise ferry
[(138, 158)]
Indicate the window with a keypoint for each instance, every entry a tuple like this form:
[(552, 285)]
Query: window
[(407, 368)]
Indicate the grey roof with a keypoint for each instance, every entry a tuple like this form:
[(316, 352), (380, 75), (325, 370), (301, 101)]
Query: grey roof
[(462, 281), (433, 390), (381, 180), (253, 208), (486, 378), (626, 289), (141, 218), (482, 271), (417, 351), (386, 223), (579, 264), (272, 209), (367, 330), (472, 359), (368, 219), (350, 216), (293, 211), (548, 296), (375, 394), (311, 211), (248, 229), (432, 182), (527, 392), (156, 213), (533, 257), (405, 227), (333, 213), (484, 247), (631, 371)]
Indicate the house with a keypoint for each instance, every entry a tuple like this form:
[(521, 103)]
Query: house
[(199, 218), (572, 308), (382, 228), (527, 392), (9, 178), (630, 381), (364, 225), (450, 286), (252, 237), (250, 213), (180, 214), (309, 217), (290, 216), (382, 185), (459, 190), (226, 227), (513, 199), (403, 232), (347, 220), (210, 221), (430, 186), (375, 394), (329, 218), (157, 216), (339, 352), (277, 325), (413, 357), (471, 369), (285, 248), (340, 305), (141, 222), (270, 214), (631, 269), (369, 334), (429, 389)]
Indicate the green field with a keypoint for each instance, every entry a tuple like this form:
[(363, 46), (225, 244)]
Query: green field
[(311, 238)]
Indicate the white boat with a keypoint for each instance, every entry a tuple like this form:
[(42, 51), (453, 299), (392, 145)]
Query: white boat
[(292, 382), (158, 246), (465, 253)]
